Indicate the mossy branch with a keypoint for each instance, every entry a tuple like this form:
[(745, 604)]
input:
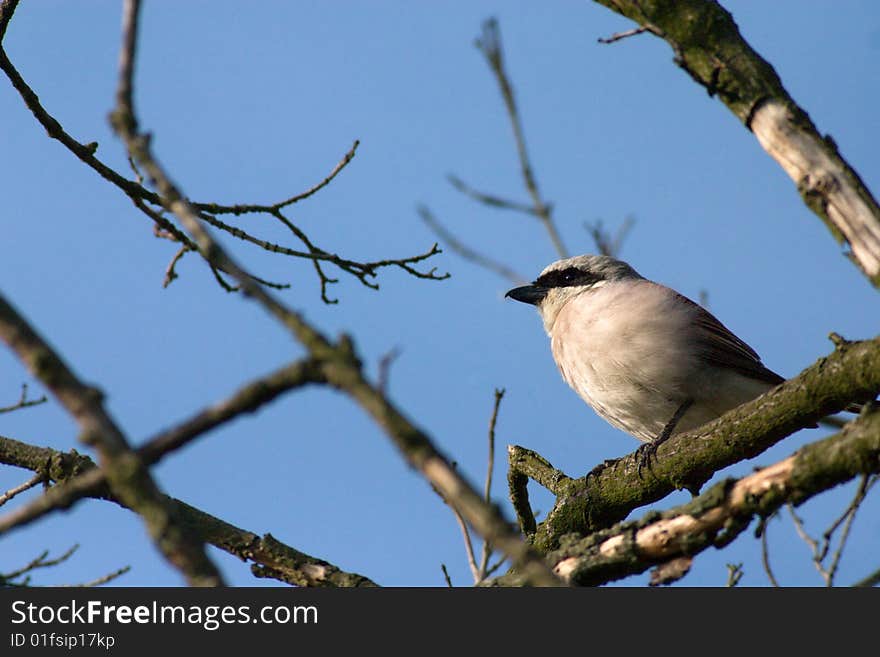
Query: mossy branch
[(721, 513), (270, 557), (611, 491), (709, 47)]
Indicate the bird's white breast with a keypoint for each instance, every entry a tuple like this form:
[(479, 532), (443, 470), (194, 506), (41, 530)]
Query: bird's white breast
[(625, 353)]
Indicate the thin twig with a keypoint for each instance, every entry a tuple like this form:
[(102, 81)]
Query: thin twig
[(490, 467), (170, 273), (844, 536), (606, 244), (805, 537), (127, 476), (36, 480), (142, 197), (109, 577), (490, 45), (247, 399), (734, 574), (246, 208), (489, 199), (23, 401), (39, 562), (491, 570), (134, 170), (623, 35), (446, 575), (864, 486), (467, 252), (468, 545), (820, 548), (493, 420), (765, 550), (385, 368), (274, 559)]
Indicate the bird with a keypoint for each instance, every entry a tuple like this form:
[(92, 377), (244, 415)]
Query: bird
[(647, 359)]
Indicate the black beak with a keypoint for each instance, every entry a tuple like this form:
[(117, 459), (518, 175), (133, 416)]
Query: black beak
[(533, 294)]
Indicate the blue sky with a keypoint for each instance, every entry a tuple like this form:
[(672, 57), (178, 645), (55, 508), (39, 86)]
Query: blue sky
[(255, 102)]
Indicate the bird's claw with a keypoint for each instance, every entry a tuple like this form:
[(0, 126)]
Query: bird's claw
[(644, 454)]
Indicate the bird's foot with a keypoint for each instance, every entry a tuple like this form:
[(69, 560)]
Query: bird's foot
[(647, 450), (644, 454)]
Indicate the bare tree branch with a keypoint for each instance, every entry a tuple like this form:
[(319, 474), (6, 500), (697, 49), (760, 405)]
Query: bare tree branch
[(613, 489), (724, 511), (489, 199), (606, 243), (23, 401), (170, 272), (481, 571), (708, 47), (128, 477), (446, 575), (41, 561), (871, 580), (104, 579), (270, 557), (622, 35), (489, 44), (214, 208), (734, 574), (765, 549), (468, 545), (490, 467), (524, 464), (144, 198), (467, 252), (36, 480), (248, 399), (819, 548), (341, 365), (384, 368)]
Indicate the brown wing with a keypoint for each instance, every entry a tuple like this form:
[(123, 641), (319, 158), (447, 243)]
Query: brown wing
[(721, 347)]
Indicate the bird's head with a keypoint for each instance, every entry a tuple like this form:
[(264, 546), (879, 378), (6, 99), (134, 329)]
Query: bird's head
[(563, 280)]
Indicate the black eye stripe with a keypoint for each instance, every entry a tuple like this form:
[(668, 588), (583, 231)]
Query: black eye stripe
[(567, 278)]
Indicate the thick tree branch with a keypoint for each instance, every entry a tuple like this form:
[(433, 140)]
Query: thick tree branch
[(340, 364), (708, 46), (524, 464), (720, 514), (246, 400), (270, 557), (606, 495), (129, 479)]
